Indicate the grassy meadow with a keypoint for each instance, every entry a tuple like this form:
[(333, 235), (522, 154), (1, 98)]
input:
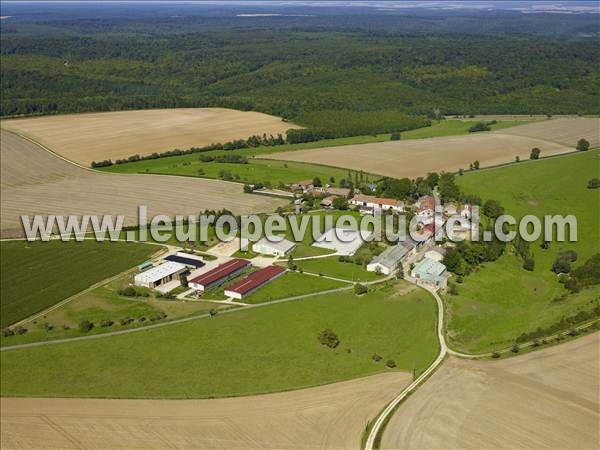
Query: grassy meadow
[(267, 349), (36, 275), (501, 300)]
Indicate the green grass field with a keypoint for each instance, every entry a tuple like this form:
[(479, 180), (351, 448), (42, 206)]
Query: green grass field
[(332, 267), (291, 284), (501, 300), (36, 275), (267, 349), (105, 304), (276, 172)]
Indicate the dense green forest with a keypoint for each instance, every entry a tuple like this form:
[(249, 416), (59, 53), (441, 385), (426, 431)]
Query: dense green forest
[(347, 81)]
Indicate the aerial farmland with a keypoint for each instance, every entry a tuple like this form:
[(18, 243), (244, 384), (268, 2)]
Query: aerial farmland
[(299, 225)]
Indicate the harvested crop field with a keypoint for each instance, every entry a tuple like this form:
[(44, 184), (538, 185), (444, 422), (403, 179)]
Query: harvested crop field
[(84, 138), (545, 399), (563, 131), (331, 416), (33, 181), (414, 158)]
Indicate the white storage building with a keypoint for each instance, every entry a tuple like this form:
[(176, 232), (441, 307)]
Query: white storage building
[(159, 275), (268, 247)]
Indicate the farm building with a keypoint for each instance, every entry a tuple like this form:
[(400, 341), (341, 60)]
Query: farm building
[(218, 275), (338, 192), (371, 204), (344, 241), (427, 202), (388, 261), (190, 261), (304, 185), (430, 272), (327, 202), (158, 275), (254, 281), (266, 246), (436, 253)]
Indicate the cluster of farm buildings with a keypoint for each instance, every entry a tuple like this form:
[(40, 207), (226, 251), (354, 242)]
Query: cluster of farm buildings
[(422, 256)]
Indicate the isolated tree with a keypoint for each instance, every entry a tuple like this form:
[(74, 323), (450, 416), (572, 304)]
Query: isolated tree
[(583, 145), (331, 180), (594, 183), (360, 289), (85, 326), (535, 153), (328, 338), (317, 182), (183, 280), (476, 164), (395, 137), (517, 158), (291, 264)]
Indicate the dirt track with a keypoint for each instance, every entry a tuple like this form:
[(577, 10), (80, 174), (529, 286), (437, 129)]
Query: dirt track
[(545, 399), (34, 181), (414, 158), (111, 135), (332, 416)]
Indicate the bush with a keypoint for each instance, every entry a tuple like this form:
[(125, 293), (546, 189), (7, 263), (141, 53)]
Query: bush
[(376, 358), (395, 137), (479, 126), (129, 291), (106, 323), (583, 145), (535, 153), (125, 321), (495, 355), (6, 332), (390, 363), (328, 338), (360, 289), (594, 183), (515, 348), (529, 264), (19, 330), (85, 326)]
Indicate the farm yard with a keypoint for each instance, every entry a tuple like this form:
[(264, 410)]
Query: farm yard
[(84, 138), (270, 342), (302, 419), (545, 399), (497, 303), (36, 182), (38, 275)]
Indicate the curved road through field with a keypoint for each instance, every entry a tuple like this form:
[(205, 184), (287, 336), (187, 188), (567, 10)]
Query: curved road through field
[(389, 409)]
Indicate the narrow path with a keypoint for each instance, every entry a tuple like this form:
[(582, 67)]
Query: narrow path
[(389, 409)]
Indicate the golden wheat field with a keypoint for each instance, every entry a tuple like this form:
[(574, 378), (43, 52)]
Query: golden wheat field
[(331, 416), (415, 158), (84, 138), (33, 181), (545, 399), (565, 131)]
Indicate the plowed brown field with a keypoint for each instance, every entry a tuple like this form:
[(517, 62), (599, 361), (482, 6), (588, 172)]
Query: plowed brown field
[(84, 138), (545, 399), (33, 181), (331, 416), (565, 131)]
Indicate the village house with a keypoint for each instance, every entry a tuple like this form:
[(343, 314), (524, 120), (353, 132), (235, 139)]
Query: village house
[(376, 205), (304, 185), (425, 204), (327, 202)]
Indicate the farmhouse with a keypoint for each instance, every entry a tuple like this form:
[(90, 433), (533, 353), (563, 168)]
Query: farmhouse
[(158, 275), (218, 275), (338, 192), (269, 246), (372, 204), (190, 261), (427, 202), (327, 202), (304, 185), (254, 281), (388, 261), (430, 272)]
